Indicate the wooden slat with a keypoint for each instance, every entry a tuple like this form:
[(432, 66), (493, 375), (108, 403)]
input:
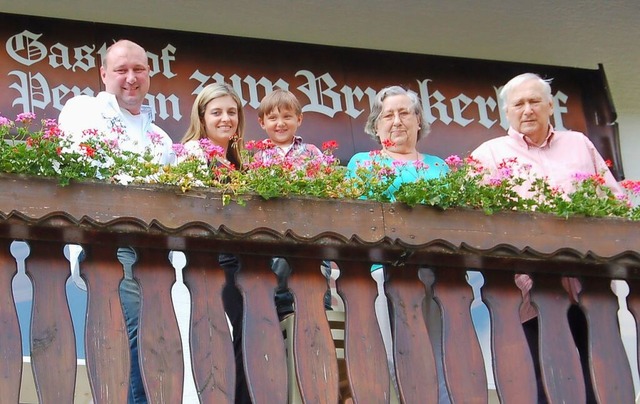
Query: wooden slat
[(106, 339), (610, 371), (364, 349), (262, 341), (463, 362), (10, 337), (52, 338), (160, 345), (412, 349), (513, 366), (314, 351), (559, 359), (211, 346), (633, 304)]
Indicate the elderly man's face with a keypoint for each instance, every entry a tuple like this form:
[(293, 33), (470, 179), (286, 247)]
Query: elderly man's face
[(126, 75), (528, 111)]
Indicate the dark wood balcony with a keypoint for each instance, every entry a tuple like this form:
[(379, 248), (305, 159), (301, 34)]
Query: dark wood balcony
[(353, 234)]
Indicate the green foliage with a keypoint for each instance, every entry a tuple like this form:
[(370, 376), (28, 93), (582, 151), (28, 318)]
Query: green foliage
[(48, 152)]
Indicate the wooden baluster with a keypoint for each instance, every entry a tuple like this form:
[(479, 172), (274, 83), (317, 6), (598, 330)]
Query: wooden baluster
[(262, 341), (314, 351), (515, 376), (211, 347), (106, 338), (53, 347), (463, 362), (633, 304), (610, 371), (160, 345), (364, 349), (559, 359), (413, 352), (11, 347)]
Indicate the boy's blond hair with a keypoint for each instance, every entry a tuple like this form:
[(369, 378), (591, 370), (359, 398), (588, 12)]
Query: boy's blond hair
[(280, 99)]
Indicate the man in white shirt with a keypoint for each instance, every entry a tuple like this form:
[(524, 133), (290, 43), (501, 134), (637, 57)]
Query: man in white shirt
[(119, 113)]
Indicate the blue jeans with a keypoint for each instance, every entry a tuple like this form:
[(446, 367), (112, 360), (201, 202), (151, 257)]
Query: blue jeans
[(130, 300), (283, 297)]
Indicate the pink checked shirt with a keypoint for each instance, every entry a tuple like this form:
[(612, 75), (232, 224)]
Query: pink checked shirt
[(562, 155)]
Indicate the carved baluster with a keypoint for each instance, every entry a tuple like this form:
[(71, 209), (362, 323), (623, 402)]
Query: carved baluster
[(11, 347), (633, 304), (463, 362), (263, 344), (211, 347), (106, 339), (513, 366), (611, 374), (52, 339), (314, 351), (364, 349), (160, 346), (413, 353), (559, 359)]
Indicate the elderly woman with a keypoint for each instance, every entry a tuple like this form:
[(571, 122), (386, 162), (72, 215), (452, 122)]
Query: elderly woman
[(397, 123), (216, 116)]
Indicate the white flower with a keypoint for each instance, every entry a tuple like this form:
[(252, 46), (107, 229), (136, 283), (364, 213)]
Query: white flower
[(123, 179)]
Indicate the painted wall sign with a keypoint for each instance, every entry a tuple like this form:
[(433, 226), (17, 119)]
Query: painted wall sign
[(45, 62)]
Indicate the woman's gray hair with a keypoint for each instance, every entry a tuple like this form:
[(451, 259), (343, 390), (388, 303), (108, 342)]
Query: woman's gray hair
[(516, 81), (371, 127)]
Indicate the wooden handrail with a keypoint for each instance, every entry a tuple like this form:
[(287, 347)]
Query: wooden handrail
[(354, 234)]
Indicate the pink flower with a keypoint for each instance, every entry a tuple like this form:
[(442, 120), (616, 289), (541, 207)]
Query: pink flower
[(211, 150), (4, 121), (179, 149), (155, 137), (50, 122), (581, 177), (26, 117), (453, 161), (633, 186), (90, 132)]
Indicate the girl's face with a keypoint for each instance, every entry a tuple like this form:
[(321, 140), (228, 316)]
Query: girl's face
[(221, 120)]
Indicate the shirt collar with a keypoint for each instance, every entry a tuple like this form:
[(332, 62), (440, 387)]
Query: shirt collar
[(522, 140)]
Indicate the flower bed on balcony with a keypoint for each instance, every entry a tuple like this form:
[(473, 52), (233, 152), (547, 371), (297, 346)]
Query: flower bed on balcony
[(47, 152)]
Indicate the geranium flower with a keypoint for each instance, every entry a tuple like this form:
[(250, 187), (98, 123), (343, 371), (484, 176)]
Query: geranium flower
[(453, 161), (330, 145), (26, 117)]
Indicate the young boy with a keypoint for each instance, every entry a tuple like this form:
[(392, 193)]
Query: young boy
[(280, 115)]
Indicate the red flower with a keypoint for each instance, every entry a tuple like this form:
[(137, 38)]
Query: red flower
[(609, 163), (88, 150), (330, 145), (388, 143), (265, 144)]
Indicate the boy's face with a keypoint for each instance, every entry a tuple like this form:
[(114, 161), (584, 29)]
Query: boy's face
[(281, 125)]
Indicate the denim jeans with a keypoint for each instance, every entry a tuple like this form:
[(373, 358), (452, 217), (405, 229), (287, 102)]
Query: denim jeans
[(130, 301), (283, 297)]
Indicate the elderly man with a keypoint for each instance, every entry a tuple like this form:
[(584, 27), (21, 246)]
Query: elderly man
[(119, 113), (552, 154)]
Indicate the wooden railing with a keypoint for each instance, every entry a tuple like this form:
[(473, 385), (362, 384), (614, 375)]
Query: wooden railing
[(353, 234)]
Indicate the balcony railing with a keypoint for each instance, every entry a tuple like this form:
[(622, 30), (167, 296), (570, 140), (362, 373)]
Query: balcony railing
[(353, 234)]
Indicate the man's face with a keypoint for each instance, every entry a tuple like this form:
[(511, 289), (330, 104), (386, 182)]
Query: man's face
[(126, 75), (528, 111)]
